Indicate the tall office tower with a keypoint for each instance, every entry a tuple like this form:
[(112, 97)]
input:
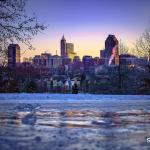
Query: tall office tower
[(111, 50), (70, 51), (69, 48), (63, 47), (13, 55)]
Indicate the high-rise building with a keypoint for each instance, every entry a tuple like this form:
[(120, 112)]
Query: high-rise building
[(63, 50), (110, 55), (13, 55), (69, 48), (70, 51)]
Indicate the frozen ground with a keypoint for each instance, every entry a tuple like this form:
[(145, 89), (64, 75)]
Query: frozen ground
[(74, 122)]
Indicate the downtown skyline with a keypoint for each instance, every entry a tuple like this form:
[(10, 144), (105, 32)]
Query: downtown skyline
[(87, 23)]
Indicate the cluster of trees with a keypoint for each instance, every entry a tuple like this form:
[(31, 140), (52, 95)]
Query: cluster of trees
[(107, 81), (133, 81)]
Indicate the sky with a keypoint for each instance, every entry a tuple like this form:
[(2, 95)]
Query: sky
[(87, 23)]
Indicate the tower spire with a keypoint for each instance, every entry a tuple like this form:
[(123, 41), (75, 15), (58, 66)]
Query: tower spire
[(63, 37)]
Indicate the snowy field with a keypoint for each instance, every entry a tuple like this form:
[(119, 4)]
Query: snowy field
[(74, 122)]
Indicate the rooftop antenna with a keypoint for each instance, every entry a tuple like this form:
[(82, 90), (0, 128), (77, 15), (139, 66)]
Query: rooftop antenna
[(56, 52)]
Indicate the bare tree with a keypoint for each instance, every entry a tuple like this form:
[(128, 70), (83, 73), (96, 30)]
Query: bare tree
[(143, 44), (123, 49), (15, 25)]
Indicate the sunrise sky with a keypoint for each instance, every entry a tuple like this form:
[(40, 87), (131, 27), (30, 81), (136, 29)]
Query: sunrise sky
[(87, 23)]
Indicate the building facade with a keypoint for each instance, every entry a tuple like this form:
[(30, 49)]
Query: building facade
[(46, 60), (13, 55), (69, 48)]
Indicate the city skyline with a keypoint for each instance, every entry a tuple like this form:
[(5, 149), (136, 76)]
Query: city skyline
[(87, 23)]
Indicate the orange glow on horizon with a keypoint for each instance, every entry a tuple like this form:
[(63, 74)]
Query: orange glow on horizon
[(85, 42)]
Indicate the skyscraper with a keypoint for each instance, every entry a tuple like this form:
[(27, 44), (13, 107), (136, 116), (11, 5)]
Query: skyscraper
[(110, 53), (13, 55), (69, 48), (70, 51), (63, 50)]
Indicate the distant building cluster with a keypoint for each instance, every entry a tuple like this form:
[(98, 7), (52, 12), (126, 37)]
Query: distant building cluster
[(69, 61), (68, 73)]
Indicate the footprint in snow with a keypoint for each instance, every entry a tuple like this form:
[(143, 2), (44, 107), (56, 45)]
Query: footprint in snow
[(29, 119)]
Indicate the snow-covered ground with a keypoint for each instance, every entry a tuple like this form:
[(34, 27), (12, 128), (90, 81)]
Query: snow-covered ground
[(74, 122), (24, 97)]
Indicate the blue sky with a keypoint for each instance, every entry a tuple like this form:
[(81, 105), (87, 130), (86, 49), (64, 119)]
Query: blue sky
[(87, 23)]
